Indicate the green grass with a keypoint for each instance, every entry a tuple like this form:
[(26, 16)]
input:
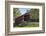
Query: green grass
[(29, 24)]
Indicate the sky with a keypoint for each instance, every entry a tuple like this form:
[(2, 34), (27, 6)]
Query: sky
[(23, 10)]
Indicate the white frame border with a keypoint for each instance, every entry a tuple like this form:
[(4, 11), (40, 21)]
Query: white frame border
[(22, 29)]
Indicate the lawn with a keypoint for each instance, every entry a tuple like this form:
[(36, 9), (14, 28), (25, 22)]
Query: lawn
[(28, 24)]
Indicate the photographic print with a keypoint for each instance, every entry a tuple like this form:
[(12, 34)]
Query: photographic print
[(25, 17)]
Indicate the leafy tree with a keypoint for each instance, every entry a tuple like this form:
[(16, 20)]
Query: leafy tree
[(16, 12), (35, 13)]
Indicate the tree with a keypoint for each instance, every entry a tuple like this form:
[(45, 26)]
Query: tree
[(16, 12), (35, 14)]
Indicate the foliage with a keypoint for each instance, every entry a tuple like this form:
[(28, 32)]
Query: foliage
[(35, 13), (16, 12)]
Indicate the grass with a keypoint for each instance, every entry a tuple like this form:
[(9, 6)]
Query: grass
[(29, 24)]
